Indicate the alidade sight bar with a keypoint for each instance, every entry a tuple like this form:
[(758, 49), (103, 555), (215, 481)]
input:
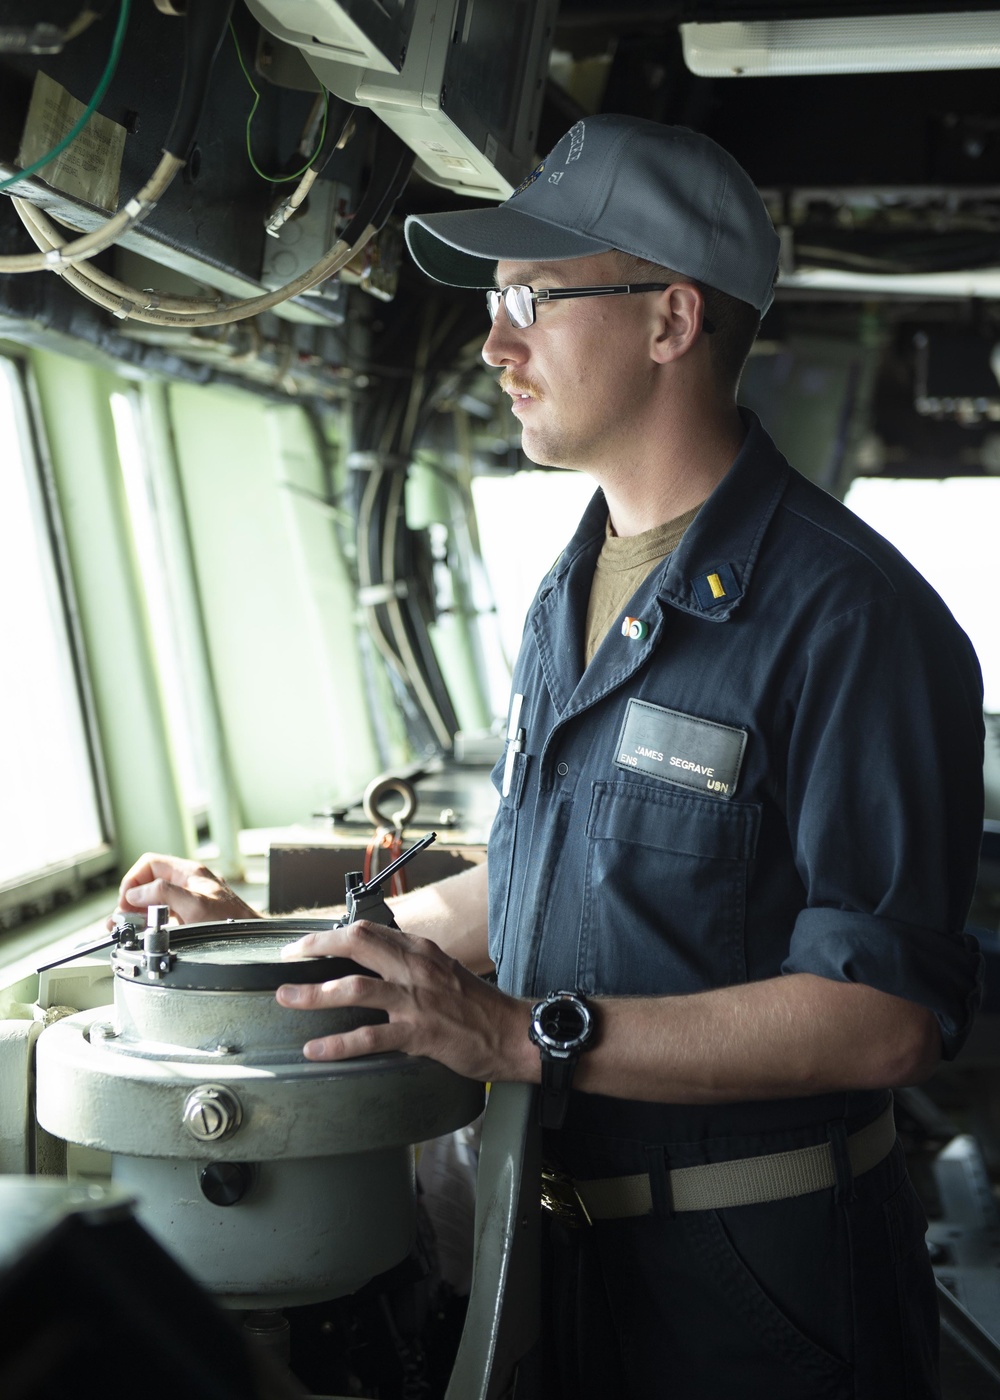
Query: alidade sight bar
[(363, 898), (367, 887)]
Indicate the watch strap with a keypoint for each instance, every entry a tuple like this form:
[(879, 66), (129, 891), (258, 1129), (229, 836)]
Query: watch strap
[(557, 1079)]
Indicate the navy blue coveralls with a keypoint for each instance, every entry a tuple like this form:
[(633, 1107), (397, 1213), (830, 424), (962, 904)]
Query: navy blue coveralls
[(779, 771)]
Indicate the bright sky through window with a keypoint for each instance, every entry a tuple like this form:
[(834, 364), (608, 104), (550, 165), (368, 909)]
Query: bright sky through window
[(48, 808), (525, 521), (950, 531)]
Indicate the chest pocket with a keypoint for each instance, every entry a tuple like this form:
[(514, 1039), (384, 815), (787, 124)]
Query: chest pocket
[(664, 902), (500, 852)]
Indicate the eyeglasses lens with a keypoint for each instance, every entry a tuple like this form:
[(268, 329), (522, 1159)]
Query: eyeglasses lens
[(520, 306), (517, 302)]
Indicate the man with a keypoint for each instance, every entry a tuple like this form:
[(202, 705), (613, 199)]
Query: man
[(739, 815)]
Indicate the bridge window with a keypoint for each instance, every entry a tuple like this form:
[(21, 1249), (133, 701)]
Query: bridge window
[(51, 823), (948, 530), (525, 520), (145, 515)]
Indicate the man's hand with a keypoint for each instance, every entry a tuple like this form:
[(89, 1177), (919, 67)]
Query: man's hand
[(436, 1007), (189, 890)]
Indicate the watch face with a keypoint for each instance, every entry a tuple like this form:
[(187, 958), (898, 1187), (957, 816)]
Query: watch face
[(562, 1022)]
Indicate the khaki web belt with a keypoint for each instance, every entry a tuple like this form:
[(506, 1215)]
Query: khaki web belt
[(746, 1181)]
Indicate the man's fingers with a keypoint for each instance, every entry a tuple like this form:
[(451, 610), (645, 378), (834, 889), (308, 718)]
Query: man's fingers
[(152, 866), (370, 992), (372, 945), (310, 945), (341, 991), (154, 879), (377, 1039), (433, 1006), (152, 891), (192, 893), (183, 905)]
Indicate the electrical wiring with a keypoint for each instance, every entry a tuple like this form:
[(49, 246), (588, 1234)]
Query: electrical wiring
[(366, 576), (431, 705), (391, 608), (85, 116), (138, 305), (414, 671), (417, 386), (204, 26), (375, 207), (125, 308), (370, 530), (276, 221), (418, 348), (90, 279), (139, 206), (410, 357), (337, 135), (273, 179), (395, 631)]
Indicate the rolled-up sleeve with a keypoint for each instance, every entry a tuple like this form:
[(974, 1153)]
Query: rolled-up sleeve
[(883, 793)]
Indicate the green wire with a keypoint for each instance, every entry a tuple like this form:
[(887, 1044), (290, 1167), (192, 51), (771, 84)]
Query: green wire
[(274, 179), (88, 112)]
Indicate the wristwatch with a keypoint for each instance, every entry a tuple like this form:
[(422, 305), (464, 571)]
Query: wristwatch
[(562, 1026)]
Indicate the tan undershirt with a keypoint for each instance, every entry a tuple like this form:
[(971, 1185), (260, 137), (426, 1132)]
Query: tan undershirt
[(622, 565)]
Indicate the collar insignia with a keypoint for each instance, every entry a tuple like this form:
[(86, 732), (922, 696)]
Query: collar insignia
[(716, 588)]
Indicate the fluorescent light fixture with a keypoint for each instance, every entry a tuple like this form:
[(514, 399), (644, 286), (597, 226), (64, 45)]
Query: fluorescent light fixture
[(870, 44), (975, 282)]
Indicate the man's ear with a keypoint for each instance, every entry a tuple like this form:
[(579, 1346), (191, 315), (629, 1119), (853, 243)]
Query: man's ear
[(677, 315)]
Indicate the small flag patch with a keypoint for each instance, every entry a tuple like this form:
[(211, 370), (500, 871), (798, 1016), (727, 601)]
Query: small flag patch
[(634, 628)]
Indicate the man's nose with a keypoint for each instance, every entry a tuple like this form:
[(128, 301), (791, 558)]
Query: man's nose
[(503, 345)]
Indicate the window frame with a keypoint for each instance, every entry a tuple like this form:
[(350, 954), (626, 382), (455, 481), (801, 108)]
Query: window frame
[(62, 881), (181, 723)]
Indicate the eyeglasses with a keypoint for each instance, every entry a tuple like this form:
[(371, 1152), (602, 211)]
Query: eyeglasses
[(519, 302)]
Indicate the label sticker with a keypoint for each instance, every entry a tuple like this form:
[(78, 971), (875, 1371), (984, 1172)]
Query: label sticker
[(89, 167), (679, 748)]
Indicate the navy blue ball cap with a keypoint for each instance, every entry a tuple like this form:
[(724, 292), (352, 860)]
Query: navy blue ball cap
[(662, 193)]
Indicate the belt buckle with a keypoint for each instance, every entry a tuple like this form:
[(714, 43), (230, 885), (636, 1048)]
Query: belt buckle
[(560, 1196)]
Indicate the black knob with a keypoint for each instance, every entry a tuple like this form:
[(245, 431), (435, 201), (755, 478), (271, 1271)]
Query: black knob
[(225, 1183)]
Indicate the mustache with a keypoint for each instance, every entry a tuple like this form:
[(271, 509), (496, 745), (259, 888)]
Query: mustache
[(512, 383)]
